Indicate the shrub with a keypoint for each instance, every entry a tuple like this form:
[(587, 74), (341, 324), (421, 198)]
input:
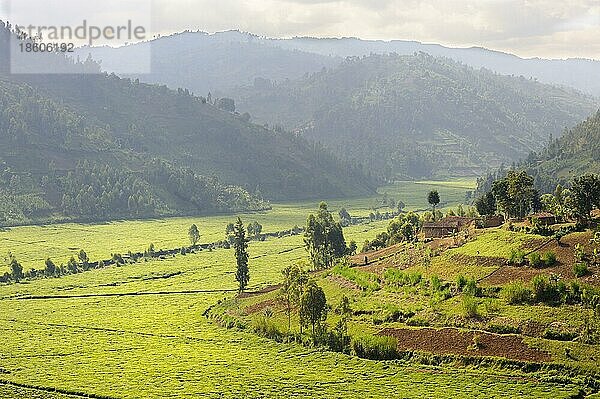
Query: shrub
[(265, 327), (503, 329), (548, 290), (579, 252), (516, 293), (435, 283), (461, 281), (471, 287), (559, 334), (516, 257), (470, 307), (375, 347), (549, 258), (580, 269), (535, 260)]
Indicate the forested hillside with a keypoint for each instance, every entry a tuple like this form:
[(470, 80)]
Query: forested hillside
[(98, 146), (576, 153), (55, 165), (419, 115)]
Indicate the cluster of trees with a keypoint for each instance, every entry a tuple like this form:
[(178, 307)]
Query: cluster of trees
[(74, 265), (402, 228), (302, 294), (324, 239), (516, 196), (100, 191), (254, 229)]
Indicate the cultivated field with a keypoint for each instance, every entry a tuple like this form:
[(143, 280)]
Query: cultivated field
[(139, 330)]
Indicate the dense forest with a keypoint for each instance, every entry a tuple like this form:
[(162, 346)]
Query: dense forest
[(96, 145), (419, 115)]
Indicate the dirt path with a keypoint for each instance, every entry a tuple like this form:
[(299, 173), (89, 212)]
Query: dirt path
[(116, 294)]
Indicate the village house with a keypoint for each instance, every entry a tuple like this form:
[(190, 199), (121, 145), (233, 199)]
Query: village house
[(490, 221), (544, 218), (448, 226)]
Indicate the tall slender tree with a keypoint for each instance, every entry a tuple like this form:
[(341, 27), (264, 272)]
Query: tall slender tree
[(313, 308), (240, 244), (294, 279), (194, 235)]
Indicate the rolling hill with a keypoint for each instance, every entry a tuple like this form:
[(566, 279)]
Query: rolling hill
[(208, 63), (417, 116), (96, 145)]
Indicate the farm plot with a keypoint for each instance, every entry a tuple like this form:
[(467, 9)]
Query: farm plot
[(466, 343)]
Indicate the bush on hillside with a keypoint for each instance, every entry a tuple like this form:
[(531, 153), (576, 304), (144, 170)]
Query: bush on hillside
[(516, 257), (580, 269), (549, 258), (470, 307), (535, 260), (516, 293), (375, 347), (548, 290)]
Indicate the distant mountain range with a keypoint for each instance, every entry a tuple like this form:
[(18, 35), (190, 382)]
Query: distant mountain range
[(221, 61), (98, 146)]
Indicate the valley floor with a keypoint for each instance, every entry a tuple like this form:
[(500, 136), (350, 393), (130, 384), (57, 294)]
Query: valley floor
[(139, 330)]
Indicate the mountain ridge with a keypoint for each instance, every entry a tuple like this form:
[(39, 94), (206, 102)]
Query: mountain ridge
[(327, 52)]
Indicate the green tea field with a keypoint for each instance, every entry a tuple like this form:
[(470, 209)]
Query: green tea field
[(139, 330)]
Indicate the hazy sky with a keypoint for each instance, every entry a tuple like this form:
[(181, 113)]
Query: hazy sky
[(544, 28)]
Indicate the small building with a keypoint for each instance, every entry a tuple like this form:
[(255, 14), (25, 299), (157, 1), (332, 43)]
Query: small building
[(544, 218), (448, 226), (490, 221)]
